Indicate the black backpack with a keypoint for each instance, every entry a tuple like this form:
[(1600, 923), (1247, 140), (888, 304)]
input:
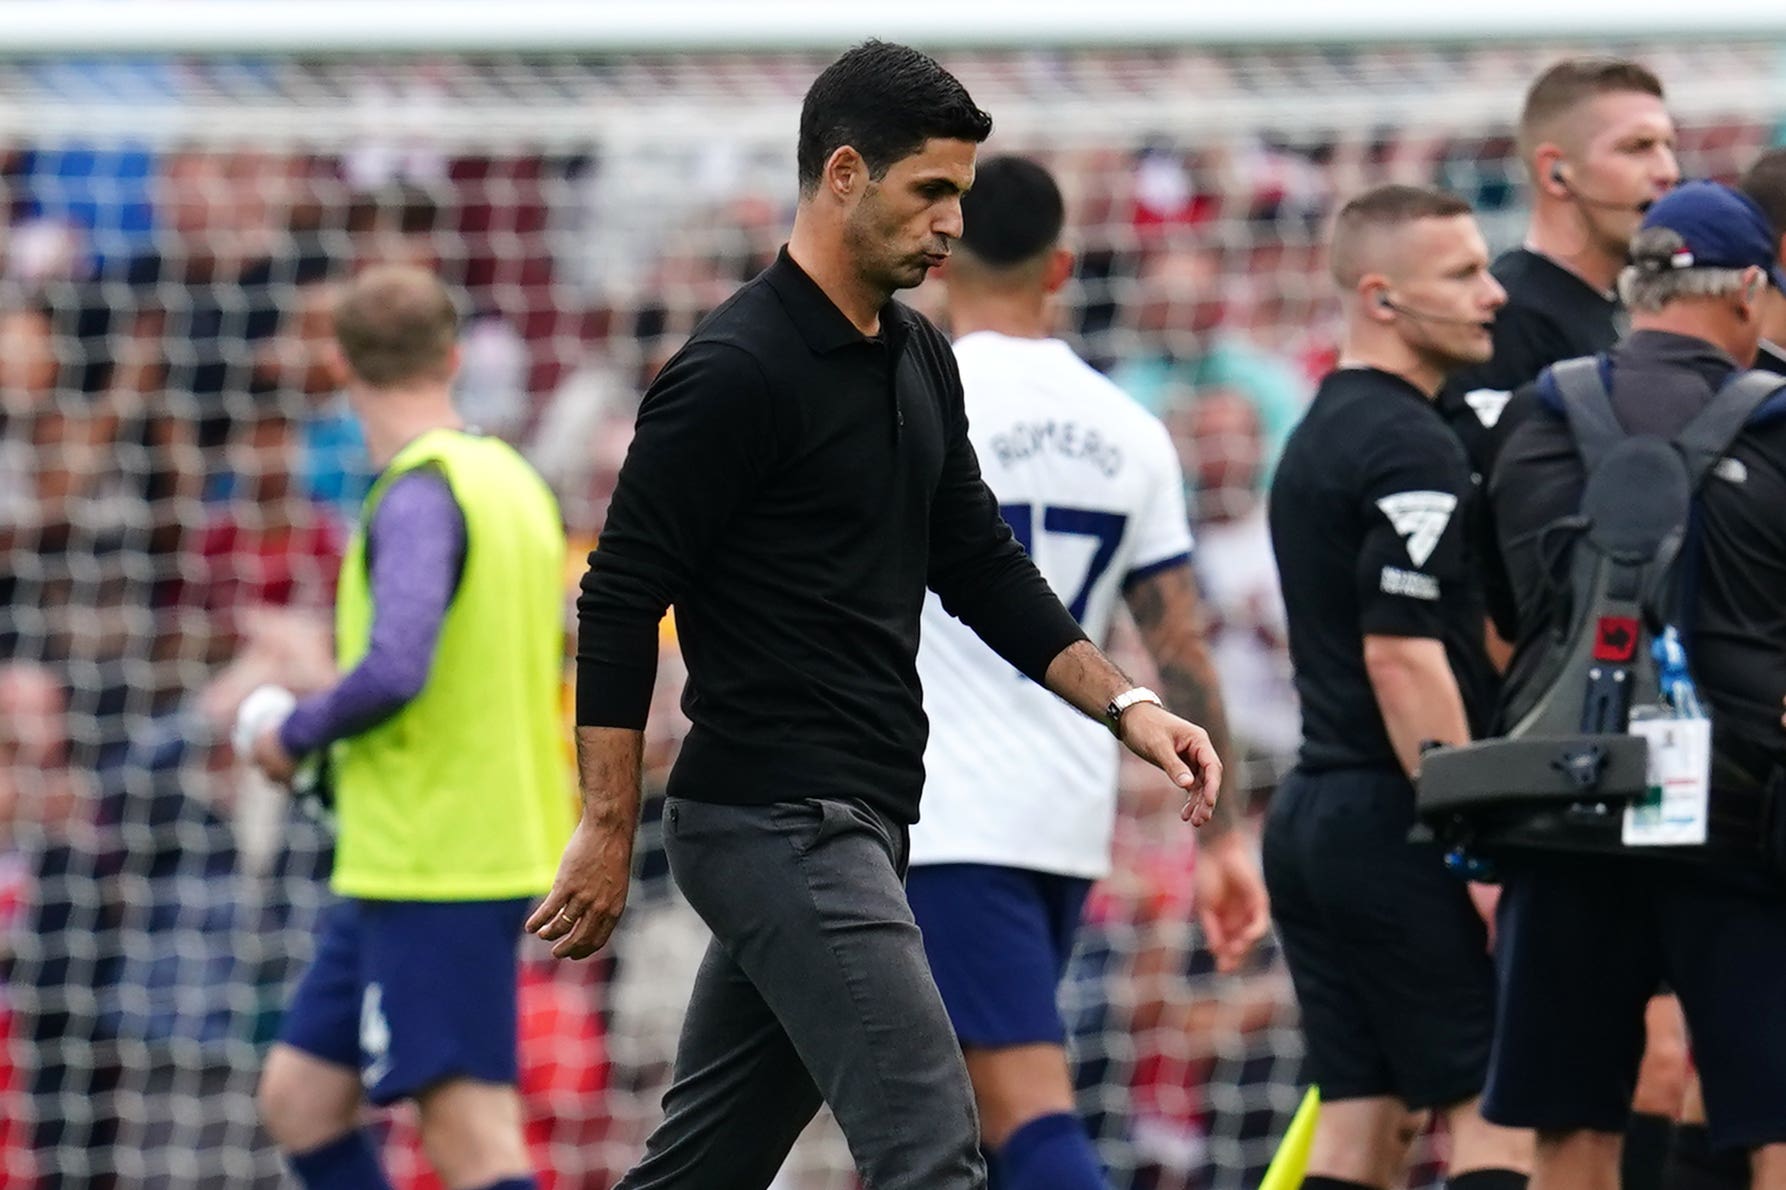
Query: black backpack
[(1617, 573)]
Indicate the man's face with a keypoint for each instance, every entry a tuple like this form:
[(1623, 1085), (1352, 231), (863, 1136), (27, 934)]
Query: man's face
[(1625, 156), (263, 457), (33, 731), (28, 367), (902, 225), (195, 191), (1181, 295), (301, 355), (1447, 296), (1222, 449)]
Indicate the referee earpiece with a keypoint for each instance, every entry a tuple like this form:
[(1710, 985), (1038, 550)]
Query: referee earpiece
[(1385, 302), (1560, 179)]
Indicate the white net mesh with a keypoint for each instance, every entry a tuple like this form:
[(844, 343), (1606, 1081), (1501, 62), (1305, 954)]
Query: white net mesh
[(177, 472)]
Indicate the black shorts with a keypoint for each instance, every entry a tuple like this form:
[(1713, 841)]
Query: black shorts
[(1388, 955), (1584, 942)]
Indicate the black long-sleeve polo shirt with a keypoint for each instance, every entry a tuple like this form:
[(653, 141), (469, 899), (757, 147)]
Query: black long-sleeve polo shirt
[(792, 488)]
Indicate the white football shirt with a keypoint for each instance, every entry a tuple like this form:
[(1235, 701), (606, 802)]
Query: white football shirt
[(1090, 483)]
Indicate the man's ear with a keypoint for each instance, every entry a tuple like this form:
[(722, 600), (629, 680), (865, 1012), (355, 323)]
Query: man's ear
[(1373, 297), (845, 172), (1748, 297), (1058, 271), (1549, 170)]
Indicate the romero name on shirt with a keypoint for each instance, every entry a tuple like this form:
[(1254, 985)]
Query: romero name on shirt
[(1068, 439)]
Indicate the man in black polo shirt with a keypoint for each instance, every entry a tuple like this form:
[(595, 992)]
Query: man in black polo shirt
[(1598, 145), (1388, 954), (1584, 941), (800, 473)]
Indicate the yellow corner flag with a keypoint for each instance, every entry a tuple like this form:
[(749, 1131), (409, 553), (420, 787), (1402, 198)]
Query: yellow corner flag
[(1291, 1161)]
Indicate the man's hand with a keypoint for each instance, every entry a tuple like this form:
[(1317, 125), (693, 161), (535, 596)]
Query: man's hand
[(1487, 899), (271, 758), (587, 896), (1231, 901), (590, 890), (1179, 749)]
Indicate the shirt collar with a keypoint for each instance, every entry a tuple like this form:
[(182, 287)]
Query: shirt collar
[(824, 327), (1395, 380), (1666, 347)]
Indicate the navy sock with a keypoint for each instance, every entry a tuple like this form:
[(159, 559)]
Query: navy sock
[(1487, 1179), (346, 1163), (1323, 1182), (1050, 1153), (526, 1183), (1694, 1165), (1647, 1141)]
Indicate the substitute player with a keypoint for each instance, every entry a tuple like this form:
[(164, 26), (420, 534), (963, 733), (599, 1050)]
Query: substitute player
[(451, 790), (801, 472), (1388, 955), (1020, 790)]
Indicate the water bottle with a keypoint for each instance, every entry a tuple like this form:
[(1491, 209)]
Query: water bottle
[(267, 706), (1672, 676)]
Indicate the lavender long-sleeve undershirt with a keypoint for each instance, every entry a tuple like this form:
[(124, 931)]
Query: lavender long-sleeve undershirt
[(416, 547)]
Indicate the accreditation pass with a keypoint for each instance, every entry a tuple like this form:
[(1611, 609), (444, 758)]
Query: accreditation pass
[(1673, 813)]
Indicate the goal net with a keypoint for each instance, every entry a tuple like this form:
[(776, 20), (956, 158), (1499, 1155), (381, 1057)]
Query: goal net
[(178, 472)]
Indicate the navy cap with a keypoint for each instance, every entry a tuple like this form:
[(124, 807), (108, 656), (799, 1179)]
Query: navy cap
[(1723, 229)]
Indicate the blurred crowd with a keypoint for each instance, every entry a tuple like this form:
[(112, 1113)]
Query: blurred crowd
[(179, 478)]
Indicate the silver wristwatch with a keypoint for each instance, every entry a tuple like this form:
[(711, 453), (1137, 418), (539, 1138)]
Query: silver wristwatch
[(1125, 700)]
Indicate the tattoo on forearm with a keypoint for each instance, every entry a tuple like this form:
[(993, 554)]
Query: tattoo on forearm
[(1168, 613), (1193, 694)]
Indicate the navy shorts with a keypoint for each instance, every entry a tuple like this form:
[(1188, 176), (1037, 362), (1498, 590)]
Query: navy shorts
[(998, 940), (1584, 942), (412, 992), (1387, 953)]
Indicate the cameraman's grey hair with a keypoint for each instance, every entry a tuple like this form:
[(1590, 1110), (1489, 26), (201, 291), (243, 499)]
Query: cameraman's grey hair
[(1652, 280)]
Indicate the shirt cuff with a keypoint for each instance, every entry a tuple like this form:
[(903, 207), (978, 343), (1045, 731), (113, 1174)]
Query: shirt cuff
[(1051, 640), (303, 730)]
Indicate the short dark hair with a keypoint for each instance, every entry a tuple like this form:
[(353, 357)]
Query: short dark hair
[(396, 323), (884, 101), (1383, 208), (1568, 84), (1013, 214), (1765, 182)]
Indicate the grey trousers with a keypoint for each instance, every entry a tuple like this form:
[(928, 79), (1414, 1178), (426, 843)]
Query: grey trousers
[(814, 987)]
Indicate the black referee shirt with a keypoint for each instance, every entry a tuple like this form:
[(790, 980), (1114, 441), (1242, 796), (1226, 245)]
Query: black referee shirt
[(1551, 314), (793, 487), (1737, 631), (1367, 510)]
